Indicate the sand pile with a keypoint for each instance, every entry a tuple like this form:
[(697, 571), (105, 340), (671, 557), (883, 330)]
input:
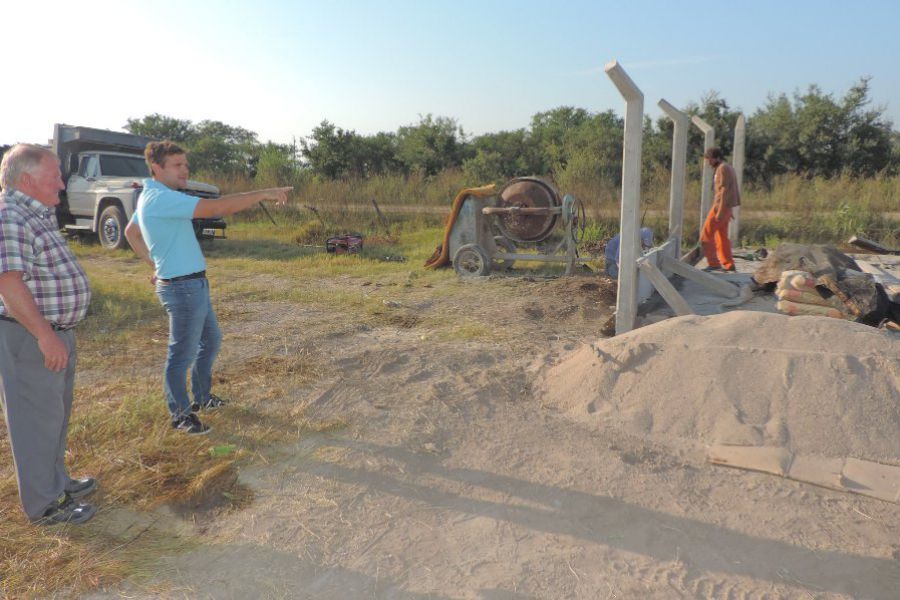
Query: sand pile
[(812, 385)]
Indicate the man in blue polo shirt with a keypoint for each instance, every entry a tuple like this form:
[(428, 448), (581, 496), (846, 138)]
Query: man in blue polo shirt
[(161, 233)]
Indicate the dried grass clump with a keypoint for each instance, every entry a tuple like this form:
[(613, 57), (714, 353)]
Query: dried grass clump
[(125, 441)]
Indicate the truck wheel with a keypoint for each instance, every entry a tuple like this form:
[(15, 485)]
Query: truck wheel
[(111, 228)]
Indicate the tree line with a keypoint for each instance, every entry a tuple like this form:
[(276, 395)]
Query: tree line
[(812, 133)]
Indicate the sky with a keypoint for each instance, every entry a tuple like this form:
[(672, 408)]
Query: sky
[(279, 68)]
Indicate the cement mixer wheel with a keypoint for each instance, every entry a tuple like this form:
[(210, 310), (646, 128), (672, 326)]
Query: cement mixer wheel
[(471, 261)]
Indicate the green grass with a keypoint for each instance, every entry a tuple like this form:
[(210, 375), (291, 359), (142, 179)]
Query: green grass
[(795, 209), (468, 332), (788, 192)]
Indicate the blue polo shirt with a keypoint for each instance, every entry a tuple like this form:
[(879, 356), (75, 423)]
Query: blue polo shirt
[(164, 216)]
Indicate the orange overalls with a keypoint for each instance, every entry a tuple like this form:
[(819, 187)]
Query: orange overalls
[(714, 237)]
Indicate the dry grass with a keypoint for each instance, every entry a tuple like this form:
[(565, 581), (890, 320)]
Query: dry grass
[(795, 208), (120, 434), (124, 439), (391, 189), (36, 562)]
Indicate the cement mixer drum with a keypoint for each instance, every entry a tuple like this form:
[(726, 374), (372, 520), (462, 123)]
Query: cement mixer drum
[(528, 192)]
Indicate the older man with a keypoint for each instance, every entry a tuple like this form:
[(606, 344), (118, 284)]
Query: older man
[(43, 294), (161, 233)]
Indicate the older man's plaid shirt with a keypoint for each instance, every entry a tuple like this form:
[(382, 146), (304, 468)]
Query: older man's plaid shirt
[(30, 242)]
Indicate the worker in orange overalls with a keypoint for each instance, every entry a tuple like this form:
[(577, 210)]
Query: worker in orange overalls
[(714, 238)]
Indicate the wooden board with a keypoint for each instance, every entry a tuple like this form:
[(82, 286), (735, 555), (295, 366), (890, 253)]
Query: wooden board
[(766, 459), (872, 479), (818, 470), (845, 475)]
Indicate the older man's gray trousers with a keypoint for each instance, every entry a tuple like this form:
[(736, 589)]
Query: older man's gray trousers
[(37, 403)]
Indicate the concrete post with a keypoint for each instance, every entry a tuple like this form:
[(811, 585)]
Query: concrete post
[(629, 221), (709, 140), (682, 123), (737, 161)]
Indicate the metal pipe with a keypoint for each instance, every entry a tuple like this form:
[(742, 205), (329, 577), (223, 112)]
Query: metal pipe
[(521, 210)]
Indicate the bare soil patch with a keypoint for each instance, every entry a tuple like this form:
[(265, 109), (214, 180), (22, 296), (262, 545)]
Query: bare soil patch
[(457, 475)]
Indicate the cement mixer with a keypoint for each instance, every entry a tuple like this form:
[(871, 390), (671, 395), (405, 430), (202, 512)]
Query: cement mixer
[(488, 231)]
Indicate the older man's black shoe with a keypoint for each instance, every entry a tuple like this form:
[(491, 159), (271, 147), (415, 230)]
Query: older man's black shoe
[(79, 488), (66, 510)]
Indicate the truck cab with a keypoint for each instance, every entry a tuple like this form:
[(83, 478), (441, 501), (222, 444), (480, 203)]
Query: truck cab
[(104, 173)]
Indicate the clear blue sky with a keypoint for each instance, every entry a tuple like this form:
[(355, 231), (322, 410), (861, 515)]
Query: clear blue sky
[(279, 68)]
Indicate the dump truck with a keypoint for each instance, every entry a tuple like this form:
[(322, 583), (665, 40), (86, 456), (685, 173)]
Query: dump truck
[(104, 172)]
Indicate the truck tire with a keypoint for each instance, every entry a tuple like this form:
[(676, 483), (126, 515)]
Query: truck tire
[(111, 228)]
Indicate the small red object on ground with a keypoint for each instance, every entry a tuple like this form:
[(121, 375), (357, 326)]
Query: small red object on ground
[(344, 244)]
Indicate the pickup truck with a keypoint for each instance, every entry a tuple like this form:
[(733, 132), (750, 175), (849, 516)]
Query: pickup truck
[(103, 172)]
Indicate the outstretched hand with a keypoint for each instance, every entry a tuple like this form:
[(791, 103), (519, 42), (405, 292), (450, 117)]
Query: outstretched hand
[(279, 195)]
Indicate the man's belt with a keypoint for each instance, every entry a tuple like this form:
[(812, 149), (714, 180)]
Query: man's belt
[(197, 275), (52, 325)]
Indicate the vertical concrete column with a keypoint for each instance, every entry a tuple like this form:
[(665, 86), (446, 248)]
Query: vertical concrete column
[(737, 161), (629, 220), (709, 140), (682, 123)]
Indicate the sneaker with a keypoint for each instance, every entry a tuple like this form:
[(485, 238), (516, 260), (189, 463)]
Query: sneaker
[(66, 510), (79, 488), (212, 403), (712, 269), (731, 269), (189, 423)]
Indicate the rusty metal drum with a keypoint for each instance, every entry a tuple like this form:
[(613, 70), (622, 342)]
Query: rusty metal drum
[(528, 192)]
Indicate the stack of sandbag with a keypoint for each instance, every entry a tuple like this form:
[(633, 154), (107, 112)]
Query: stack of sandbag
[(833, 284), (815, 259), (798, 295)]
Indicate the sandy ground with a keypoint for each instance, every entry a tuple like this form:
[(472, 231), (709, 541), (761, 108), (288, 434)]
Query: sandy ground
[(455, 478)]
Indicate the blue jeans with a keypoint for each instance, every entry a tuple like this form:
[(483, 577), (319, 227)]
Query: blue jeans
[(194, 341)]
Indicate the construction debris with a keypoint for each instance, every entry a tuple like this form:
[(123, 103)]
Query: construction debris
[(820, 280)]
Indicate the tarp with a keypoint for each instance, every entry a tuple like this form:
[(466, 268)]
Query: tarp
[(816, 259), (441, 255)]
